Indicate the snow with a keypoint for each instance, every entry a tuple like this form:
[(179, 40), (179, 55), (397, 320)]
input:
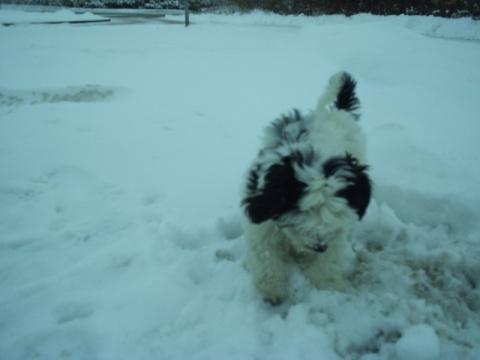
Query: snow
[(419, 342), (122, 149)]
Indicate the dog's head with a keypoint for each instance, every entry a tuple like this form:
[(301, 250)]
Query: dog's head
[(310, 197)]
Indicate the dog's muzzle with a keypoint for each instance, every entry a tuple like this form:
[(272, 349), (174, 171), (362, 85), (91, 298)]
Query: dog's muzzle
[(319, 247)]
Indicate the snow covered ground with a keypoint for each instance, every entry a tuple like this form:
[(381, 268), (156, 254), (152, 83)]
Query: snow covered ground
[(122, 149)]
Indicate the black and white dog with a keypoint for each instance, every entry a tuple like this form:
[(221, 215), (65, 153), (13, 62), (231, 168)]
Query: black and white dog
[(304, 192)]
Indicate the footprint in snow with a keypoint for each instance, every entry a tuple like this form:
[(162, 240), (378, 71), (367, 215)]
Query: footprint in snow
[(72, 311)]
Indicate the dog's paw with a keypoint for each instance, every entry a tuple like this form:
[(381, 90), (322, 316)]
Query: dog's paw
[(273, 295), (340, 286), (274, 301)]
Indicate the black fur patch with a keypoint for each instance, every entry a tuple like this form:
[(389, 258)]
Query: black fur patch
[(347, 99), (359, 189), (289, 128), (280, 194), (253, 178)]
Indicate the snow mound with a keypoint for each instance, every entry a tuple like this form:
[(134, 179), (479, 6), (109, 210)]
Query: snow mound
[(456, 29)]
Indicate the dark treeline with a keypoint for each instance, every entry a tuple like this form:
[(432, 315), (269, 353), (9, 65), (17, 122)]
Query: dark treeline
[(443, 8)]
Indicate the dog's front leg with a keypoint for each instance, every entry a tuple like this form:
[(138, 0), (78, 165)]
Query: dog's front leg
[(270, 276), (266, 261)]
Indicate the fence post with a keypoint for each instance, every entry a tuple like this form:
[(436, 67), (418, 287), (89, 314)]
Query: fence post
[(185, 6)]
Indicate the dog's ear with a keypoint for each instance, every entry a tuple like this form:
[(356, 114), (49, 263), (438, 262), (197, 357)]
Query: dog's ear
[(358, 186), (278, 194)]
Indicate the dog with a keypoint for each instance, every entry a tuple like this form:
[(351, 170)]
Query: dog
[(305, 191)]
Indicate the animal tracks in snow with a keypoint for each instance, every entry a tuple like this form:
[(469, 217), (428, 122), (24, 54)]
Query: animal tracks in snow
[(63, 214)]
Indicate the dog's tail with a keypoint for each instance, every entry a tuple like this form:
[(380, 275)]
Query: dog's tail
[(340, 93)]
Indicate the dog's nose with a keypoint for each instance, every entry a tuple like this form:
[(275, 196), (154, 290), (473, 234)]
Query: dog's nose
[(319, 247)]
